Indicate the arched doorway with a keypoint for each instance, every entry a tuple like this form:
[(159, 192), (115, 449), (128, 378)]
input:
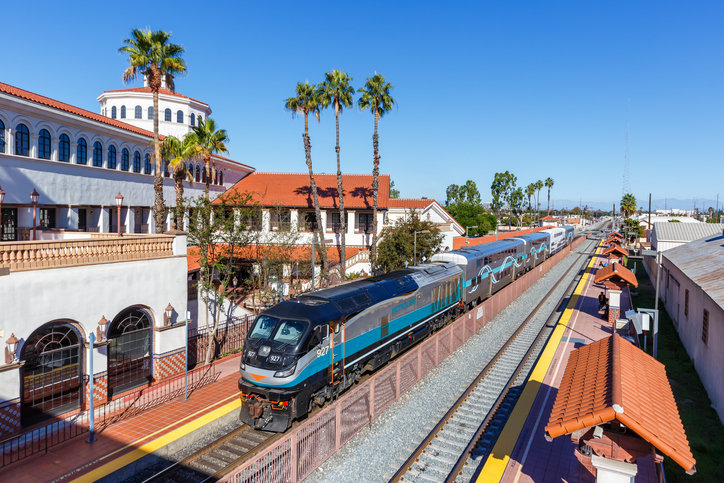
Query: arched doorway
[(129, 351), (51, 375)]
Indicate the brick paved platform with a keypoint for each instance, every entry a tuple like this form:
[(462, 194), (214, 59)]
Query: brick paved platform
[(131, 439)]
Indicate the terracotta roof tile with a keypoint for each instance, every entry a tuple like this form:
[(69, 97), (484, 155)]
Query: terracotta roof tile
[(167, 92), (548, 218), (293, 190), (47, 101), (410, 203), (615, 271), (613, 379), (615, 249)]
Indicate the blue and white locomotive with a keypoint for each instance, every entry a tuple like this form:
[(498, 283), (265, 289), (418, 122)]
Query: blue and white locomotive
[(301, 353)]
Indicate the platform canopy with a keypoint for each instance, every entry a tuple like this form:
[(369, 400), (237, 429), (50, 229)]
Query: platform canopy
[(615, 276), (613, 381), (616, 250)]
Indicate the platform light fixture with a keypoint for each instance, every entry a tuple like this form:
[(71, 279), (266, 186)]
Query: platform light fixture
[(11, 349), (101, 330), (167, 315), (34, 196), (119, 203)]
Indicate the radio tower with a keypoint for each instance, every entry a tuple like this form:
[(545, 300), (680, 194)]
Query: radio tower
[(626, 162)]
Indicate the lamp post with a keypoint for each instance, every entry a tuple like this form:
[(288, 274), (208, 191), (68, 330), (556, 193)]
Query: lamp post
[(186, 365), (315, 242), (2, 198), (119, 203), (34, 199), (414, 255), (466, 233)]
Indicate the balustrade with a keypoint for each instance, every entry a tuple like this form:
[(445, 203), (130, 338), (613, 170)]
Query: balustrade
[(33, 255)]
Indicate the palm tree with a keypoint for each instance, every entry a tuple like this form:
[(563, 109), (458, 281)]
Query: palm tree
[(628, 205), (151, 54), (530, 191), (538, 187), (549, 185), (177, 152), (335, 90), (306, 102), (375, 97), (205, 140)]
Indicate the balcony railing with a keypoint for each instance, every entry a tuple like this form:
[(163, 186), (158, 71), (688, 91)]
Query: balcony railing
[(97, 248), (308, 227)]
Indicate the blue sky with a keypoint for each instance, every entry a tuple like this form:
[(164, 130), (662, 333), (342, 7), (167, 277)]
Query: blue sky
[(536, 88)]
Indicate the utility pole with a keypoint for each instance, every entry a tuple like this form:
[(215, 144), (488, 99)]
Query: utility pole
[(718, 218)]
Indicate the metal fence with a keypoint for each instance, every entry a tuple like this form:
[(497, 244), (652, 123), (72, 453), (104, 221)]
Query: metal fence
[(42, 437), (300, 452), (229, 337)]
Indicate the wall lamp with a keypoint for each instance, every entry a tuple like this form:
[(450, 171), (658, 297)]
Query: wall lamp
[(167, 315), (11, 348)]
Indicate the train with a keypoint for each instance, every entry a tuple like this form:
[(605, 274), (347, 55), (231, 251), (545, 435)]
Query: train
[(303, 352)]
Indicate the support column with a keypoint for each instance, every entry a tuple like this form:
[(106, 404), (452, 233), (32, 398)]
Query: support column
[(54, 149), (103, 219), (350, 223), (33, 152), (130, 220), (294, 219), (73, 153), (614, 306), (265, 221)]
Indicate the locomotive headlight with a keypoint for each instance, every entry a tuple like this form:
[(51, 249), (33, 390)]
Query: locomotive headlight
[(242, 366), (264, 350), (286, 372)]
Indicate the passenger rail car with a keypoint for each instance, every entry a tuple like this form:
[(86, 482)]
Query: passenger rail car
[(303, 352)]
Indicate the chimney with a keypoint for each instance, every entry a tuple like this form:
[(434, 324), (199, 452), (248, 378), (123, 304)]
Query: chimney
[(145, 81)]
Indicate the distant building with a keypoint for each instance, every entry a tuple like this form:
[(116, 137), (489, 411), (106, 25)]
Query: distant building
[(675, 212), (666, 236), (429, 210)]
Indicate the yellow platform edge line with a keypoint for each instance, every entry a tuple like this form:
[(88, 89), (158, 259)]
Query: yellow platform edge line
[(498, 460), (156, 444)]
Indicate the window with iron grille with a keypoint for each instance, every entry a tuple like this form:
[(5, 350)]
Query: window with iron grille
[(310, 221), (364, 222), (46, 217), (333, 222), (705, 328), (129, 351), (51, 375), (686, 303), (280, 220)]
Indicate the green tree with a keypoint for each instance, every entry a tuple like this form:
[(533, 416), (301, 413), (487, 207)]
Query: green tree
[(467, 192), (628, 205), (538, 187), (306, 102), (503, 185), (515, 200), (337, 91), (176, 151), (549, 184), (397, 242), (375, 96), (151, 54), (204, 140), (394, 193), (530, 192)]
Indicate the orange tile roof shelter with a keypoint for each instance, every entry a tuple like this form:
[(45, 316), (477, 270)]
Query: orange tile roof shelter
[(615, 276), (613, 381), (293, 190), (615, 250)]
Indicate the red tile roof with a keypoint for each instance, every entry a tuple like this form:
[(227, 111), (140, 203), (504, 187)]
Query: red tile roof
[(293, 190), (548, 218), (257, 252), (615, 249), (612, 379), (615, 271), (410, 203), (167, 92), (47, 101)]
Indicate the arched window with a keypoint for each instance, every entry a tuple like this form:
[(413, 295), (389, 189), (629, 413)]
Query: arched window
[(150, 112), (137, 162), (123, 112), (125, 159), (82, 153), (97, 154), (180, 117), (203, 175), (2, 137), (111, 157), (147, 164), (221, 178), (51, 375), (138, 112), (22, 140), (113, 112), (44, 144), (198, 173), (216, 176), (64, 148), (193, 119), (167, 115), (129, 351), (201, 118)]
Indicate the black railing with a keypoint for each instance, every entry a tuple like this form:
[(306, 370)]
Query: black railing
[(41, 437), (229, 337)]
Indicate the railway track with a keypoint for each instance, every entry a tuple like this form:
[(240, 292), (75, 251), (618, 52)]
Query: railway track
[(218, 458), (465, 435)]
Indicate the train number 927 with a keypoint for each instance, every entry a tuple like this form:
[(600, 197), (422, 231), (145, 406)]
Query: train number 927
[(322, 351)]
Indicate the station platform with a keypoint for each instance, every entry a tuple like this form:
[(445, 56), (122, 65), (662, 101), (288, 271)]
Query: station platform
[(522, 454), (124, 443)]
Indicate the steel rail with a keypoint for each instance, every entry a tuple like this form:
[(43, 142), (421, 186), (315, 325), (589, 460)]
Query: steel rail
[(407, 466), (185, 465)]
